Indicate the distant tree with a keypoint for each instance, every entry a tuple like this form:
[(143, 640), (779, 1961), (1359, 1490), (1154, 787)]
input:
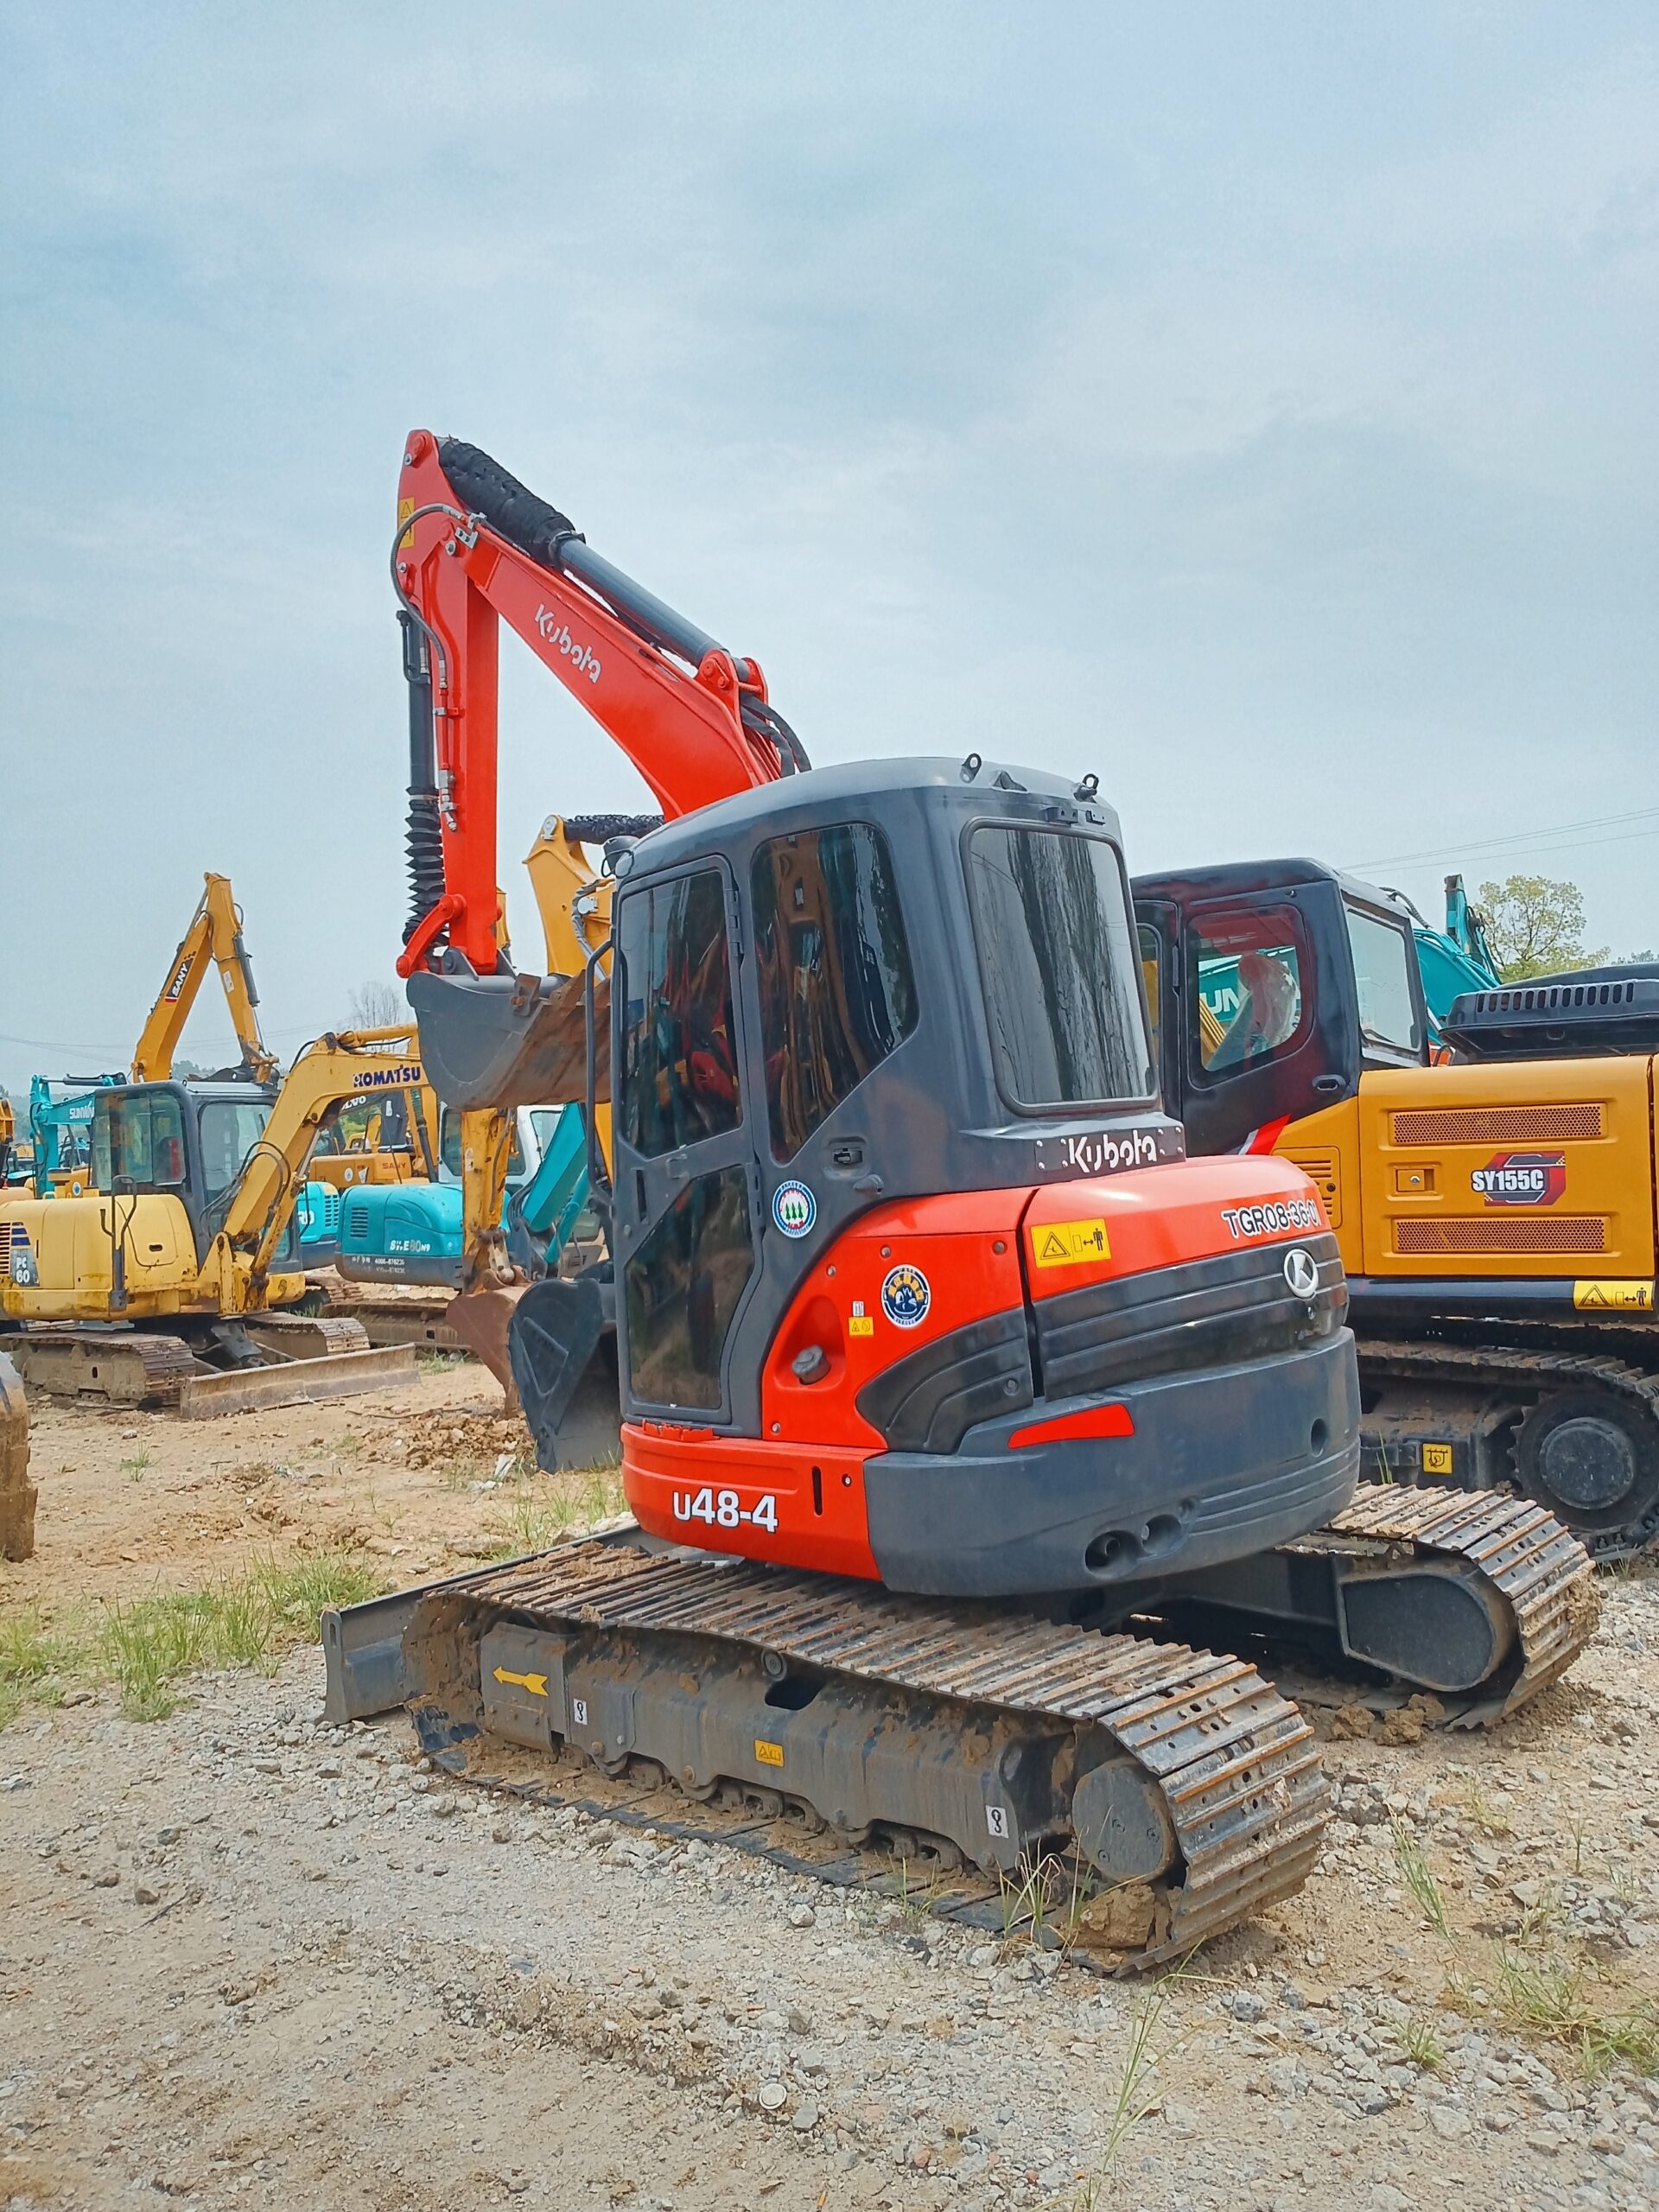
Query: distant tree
[(376, 1005), (1535, 927)]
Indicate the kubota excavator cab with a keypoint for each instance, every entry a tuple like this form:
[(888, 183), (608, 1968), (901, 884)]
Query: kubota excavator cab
[(897, 1218)]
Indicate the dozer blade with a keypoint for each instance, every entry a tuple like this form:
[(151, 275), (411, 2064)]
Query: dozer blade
[(511, 1041), (554, 1332), (18, 1493), (806, 1718), (297, 1382), (481, 1320)]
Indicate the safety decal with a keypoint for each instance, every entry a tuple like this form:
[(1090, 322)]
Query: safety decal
[(794, 1209), (536, 1684), (768, 1754), (1614, 1297), (1521, 1178), (1437, 1459), (859, 1322), (1067, 1243), (905, 1296)]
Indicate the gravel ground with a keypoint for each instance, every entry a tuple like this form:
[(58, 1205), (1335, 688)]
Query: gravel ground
[(248, 1959)]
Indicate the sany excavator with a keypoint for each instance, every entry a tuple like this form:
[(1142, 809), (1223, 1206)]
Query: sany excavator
[(178, 1265), (939, 1361), (215, 934), (1496, 1216)]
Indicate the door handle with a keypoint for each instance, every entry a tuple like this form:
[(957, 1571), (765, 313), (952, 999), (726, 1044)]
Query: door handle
[(677, 1166), (1327, 1083)]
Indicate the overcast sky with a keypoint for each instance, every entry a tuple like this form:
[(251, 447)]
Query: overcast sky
[(1254, 403)]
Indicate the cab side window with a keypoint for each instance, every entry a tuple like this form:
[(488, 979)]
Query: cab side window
[(1245, 999), (1152, 955), (679, 1076), (145, 1142), (833, 970)]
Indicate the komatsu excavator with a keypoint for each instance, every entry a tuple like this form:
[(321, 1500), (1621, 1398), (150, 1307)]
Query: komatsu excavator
[(939, 1361), (166, 1281), (1496, 1214)]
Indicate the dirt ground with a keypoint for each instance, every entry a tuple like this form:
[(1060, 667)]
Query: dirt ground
[(246, 1959)]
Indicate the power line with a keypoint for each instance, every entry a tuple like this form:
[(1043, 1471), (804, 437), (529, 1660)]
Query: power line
[(1551, 831)]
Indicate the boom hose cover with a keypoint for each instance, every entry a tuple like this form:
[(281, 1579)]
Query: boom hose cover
[(509, 507)]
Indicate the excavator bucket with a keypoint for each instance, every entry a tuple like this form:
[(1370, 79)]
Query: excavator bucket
[(481, 1319), (553, 1336), (16, 1491), (511, 1041)]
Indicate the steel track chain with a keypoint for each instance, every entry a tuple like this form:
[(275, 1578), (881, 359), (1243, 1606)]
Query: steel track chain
[(154, 1369), (1235, 1762), (1456, 1363), (1544, 1573)]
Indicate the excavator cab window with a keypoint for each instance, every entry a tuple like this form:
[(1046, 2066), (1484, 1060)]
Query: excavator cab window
[(1051, 919), (1244, 988), (1383, 955), (679, 1065), (1152, 953), (836, 990), (682, 1147), (449, 1147), (230, 1130), (139, 1136)]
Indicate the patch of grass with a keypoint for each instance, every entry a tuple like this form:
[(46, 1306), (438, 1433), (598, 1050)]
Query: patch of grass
[(555, 1507), (1491, 1819), (1422, 2045), (1418, 1878), (915, 1902), (133, 1469), (147, 1646), (1134, 2089), (1028, 1895), (1556, 2000)]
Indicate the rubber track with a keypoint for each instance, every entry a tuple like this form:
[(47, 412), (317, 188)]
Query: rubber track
[(1501, 1363), (1542, 1569), (1235, 1762)]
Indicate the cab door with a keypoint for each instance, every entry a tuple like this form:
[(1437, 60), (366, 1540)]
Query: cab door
[(684, 1179), (1265, 1035)]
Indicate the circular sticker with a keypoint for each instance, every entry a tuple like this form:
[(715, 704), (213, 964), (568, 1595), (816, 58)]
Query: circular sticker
[(794, 1209), (905, 1296)]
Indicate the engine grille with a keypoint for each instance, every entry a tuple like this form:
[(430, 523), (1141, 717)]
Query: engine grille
[(1548, 1233), (1212, 1312), (1498, 1124)]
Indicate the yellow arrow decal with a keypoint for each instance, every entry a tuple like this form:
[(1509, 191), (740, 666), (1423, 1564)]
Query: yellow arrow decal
[(536, 1684)]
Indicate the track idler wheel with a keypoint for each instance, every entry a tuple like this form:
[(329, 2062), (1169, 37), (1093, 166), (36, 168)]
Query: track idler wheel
[(1593, 1460)]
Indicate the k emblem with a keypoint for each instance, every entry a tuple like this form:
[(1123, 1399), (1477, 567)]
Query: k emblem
[(1301, 1272)]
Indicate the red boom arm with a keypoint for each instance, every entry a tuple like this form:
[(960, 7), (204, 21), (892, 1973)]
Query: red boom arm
[(695, 732)]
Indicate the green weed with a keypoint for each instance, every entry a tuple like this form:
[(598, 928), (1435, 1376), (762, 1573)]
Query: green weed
[(1555, 2000), (1418, 1878), (1422, 2045), (133, 1469), (556, 1507)]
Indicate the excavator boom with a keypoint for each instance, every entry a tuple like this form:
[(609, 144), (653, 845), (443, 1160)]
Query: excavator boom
[(215, 933)]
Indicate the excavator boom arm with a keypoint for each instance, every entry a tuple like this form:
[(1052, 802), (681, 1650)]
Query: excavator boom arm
[(215, 932), (476, 549)]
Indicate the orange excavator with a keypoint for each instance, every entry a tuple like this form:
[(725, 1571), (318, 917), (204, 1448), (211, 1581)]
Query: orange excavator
[(940, 1365)]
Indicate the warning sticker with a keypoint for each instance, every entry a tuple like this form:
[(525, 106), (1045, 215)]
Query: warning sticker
[(1614, 1297), (1437, 1459), (1065, 1244), (768, 1754)]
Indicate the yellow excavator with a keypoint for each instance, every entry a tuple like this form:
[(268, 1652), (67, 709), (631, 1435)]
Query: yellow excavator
[(168, 1282)]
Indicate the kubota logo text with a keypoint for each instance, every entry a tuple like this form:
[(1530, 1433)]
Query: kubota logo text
[(1522, 1179), (553, 630)]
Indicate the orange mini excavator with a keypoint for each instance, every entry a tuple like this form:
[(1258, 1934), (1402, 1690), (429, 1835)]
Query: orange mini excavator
[(912, 1286)]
